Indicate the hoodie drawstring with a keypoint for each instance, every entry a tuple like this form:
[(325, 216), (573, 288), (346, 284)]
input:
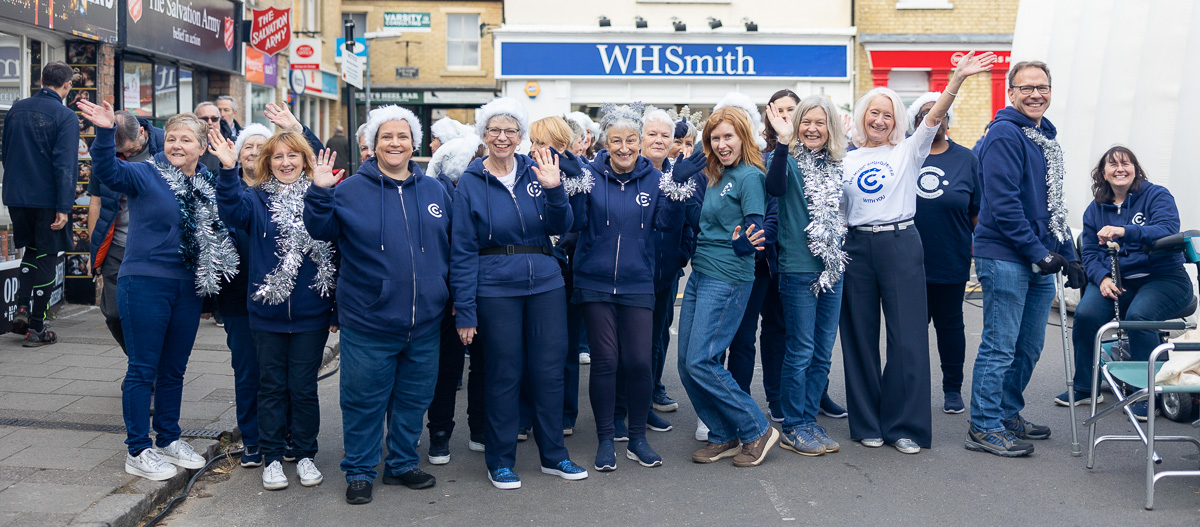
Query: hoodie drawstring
[(420, 221), (382, 212), (642, 214)]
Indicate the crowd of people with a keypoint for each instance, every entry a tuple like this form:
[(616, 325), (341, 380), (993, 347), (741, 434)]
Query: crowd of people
[(527, 263)]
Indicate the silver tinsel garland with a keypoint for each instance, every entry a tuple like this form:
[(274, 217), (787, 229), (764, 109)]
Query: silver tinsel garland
[(580, 184), (208, 246), (676, 191), (286, 205), (826, 232), (1055, 171)]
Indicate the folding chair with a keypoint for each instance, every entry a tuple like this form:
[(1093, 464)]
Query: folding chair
[(1140, 375)]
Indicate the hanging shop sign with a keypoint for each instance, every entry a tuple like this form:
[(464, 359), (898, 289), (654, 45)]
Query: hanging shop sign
[(305, 54), (577, 59), (196, 31), (92, 19), (271, 29)]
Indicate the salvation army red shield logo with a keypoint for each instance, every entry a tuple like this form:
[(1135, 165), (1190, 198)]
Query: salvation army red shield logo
[(271, 29), (135, 10), (228, 34)]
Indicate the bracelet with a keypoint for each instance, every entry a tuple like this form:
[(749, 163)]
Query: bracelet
[(952, 94)]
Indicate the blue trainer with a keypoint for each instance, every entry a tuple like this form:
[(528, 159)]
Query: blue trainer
[(656, 423), (639, 450), (566, 469), (664, 403), (504, 478), (802, 441), (606, 456), (620, 430), (251, 457)]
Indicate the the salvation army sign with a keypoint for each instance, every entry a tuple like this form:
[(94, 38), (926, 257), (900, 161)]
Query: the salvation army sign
[(271, 30), (135, 10), (202, 32)]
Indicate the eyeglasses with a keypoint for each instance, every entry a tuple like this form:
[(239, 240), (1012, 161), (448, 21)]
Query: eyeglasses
[(210, 119), (1043, 89), (508, 132)]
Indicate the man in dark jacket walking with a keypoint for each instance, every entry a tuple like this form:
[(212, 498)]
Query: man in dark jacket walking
[(341, 144), (40, 157), (108, 214), (230, 127)]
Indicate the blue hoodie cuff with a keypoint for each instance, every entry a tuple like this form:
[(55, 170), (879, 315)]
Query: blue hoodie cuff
[(320, 193), (464, 316), (1133, 234), (556, 196)]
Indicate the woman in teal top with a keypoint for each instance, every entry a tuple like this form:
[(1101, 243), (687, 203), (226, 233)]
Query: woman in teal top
[(805, 175), (718, 289)]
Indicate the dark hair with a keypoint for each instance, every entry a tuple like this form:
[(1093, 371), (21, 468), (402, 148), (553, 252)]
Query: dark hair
[(1101, 190), (127, 127), (56, 74), (1016, 68), (768, 130)]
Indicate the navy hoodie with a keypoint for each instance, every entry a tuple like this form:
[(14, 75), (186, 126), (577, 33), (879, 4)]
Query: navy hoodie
[(152, 245), (1147, 215), (246, 210), (617, 222), (394, 240), (487, 215), (1014, 223)]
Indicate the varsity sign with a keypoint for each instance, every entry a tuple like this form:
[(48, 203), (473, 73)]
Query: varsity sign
[(271, 29)]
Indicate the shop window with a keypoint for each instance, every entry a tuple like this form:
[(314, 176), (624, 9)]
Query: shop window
[(312, 15), (166, 91), (10, 69), (186, 101), (908, 84), (137, 88), (360, 24), (462, 41), (259, 97)]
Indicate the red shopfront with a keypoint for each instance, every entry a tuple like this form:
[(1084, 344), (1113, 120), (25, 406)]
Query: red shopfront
[(939, 63)]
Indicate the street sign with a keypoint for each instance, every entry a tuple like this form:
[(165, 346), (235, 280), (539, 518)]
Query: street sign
[(305, 54), (409, 22), (352, 70), (405, 72), (271, 29), (360, 48), (297, 81)]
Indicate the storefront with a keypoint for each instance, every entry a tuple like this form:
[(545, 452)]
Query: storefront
[(262, 80), (177, 55), (557, 71), (429, 104), (316, 107)]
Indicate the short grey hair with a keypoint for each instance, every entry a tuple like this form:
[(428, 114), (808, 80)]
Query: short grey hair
[(620, 117), (196, 111), (230, 99), (577, 131), (899, 116), (361, 132), (656, 115), (127, 127), (835, 145), (189, 121), (1016, 68)]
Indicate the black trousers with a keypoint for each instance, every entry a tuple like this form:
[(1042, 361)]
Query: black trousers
[(450, 370), (886, 269), (31, 230), (627, 350), (108, 294), (945, 303)]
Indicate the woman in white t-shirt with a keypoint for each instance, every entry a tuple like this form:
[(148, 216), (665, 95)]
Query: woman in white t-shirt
[(886, 268)]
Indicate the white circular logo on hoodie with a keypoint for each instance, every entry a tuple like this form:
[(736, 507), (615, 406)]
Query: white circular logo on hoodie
[(643, 199), (534, 189), (435, 210)]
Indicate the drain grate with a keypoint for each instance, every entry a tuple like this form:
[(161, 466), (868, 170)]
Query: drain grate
[(200, 433)]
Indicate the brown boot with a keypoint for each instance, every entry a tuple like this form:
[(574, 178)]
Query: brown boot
[(754, 453), (713, 451)]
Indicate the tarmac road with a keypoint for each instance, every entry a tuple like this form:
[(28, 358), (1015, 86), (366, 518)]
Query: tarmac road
[(946, 485)]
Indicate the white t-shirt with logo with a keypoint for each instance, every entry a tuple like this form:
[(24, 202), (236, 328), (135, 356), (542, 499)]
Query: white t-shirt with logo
[(510, 179), (881, 182)]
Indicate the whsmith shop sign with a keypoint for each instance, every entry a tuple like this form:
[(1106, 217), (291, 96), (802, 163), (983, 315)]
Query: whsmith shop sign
[(573, 59)]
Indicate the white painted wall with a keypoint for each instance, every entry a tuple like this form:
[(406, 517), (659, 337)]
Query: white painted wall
[(769, 14)]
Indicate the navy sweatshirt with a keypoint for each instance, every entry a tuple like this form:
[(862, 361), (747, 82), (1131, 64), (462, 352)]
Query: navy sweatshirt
[(246, 210), (617, 221), (487, 215), (673, 249), (152, 245), (1147, 215), (1014, 223), (394, 240), (39, 151)]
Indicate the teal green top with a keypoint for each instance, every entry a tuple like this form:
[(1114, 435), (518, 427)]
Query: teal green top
[(794, 256), (741, 192)]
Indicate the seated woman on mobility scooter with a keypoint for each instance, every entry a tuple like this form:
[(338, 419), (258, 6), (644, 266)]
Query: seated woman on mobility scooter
[(1132, 211)]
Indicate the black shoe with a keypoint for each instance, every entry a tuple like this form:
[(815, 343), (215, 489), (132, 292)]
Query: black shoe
[(413, 479), (830, 408), (20, 321), (439, 448), (1025, 429), (620, 430), (358, 492), (1003, 444), (34, 338)]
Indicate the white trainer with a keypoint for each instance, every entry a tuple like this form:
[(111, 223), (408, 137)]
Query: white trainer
[(701, 431), (180, 453), (307, 471), (273, 477), (150, 465), (475, 446)]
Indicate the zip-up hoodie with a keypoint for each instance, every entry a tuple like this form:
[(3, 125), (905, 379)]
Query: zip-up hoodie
[(394, 256), (487, 215), (247, 210), (617, 221), (1014, 223), (1147, 215)]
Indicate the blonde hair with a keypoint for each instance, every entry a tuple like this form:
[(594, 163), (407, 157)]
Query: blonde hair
[(836, 143), (737, 117), (552, 131), (190, 122), (899, 116), (290, 140)]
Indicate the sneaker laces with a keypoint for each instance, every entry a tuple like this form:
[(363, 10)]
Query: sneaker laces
[(307, 468), (151, 458), (274, 471), (504, 475), (181, 449)]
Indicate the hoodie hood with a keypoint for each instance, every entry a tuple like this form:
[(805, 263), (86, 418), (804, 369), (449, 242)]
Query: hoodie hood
[(1010, 114)]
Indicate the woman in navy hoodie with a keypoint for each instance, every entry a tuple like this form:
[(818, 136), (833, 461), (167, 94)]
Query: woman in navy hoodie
[(508, 288), (178, 250), (291, 281), (618, 212), (391, 295), (1132, 211)]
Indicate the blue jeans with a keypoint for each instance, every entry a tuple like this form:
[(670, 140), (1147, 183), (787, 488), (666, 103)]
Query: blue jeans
[(1016, 304), (812, 326), (660, 332), (244, 359), (712, 311), (1149, 298), (384, 375), (160, 317), (289, 363)]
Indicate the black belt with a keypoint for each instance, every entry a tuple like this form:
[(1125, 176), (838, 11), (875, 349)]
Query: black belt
[(516, 249)]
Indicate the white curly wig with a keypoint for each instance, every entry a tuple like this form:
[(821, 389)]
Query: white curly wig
[(503, 107), (453, 157), (740, 100), (583, 121), (445, 129), (384, 114), (915, 108), (249, 131)]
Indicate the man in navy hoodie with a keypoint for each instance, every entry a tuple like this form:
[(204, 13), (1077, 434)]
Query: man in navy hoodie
[(40, 142), (1021, 241)]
